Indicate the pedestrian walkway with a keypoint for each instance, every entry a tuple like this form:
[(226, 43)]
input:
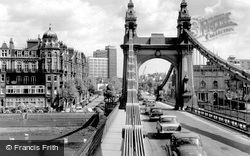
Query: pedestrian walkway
[(112, 142)]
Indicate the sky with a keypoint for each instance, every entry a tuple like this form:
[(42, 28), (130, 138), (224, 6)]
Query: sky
[(88, 25)]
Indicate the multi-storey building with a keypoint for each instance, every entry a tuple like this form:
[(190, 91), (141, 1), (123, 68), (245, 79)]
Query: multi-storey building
[(35, 75), (98, 67), (209, 82), (110, 53), (244, 63)]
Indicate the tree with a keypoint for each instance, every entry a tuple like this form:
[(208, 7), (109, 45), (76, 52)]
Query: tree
[(79, 84), (117, 84), (91, 83), (109, 93), (69, 92)]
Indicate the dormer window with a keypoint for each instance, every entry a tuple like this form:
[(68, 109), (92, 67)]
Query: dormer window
[(19, 53), (26, 54), (4, 53)]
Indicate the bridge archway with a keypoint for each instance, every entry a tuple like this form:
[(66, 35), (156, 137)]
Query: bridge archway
[(158, 76), (176, 50)]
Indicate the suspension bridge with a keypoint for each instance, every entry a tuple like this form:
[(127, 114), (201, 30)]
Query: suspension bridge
[(131, 134)]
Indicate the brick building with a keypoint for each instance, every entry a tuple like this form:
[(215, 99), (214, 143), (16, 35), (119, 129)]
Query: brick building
[(209, 82)]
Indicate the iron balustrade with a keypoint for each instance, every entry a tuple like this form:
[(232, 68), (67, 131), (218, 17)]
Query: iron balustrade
[(229, 121)]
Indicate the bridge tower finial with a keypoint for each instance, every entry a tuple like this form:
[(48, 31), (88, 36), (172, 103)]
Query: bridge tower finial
[(183, 18), (130, 19)]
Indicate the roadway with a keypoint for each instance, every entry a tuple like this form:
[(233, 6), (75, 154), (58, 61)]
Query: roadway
[(217, 140)]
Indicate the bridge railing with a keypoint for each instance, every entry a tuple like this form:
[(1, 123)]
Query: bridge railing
[(229, 121), (242, 115)]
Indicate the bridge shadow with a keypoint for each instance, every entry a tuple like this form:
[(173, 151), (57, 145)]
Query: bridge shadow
[(242, 147), (156, 136)]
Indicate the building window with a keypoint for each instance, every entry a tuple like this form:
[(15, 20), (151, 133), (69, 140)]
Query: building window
[(26, 54), (55, 63), (19, 66), (215, 84), (40, 90), (10, 90), (49, 54), (26, 91), (33, 53), (4, 53), (48, 90), (19, 79), (202, 72), (49, 67), (18, 90), (4, 66), (33, 89), (2, 77), (203, 97), (55, 90), (48, 78), (26, 67), (19, 53), (7, 80), (33, 80), (203, 84), (33, 67), (55, 78), (26, 80), (2, 91)]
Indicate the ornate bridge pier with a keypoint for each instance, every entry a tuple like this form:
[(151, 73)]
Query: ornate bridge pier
[(176, 50)]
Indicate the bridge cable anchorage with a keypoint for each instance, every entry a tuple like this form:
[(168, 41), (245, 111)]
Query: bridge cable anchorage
[(229, 68)]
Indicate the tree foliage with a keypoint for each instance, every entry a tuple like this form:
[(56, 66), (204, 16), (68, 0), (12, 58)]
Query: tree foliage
[(69, 92), (109, 92), (91, 85), (80, 86), (116, 84)]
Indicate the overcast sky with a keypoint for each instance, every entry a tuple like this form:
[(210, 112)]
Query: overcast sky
[(88, 25)]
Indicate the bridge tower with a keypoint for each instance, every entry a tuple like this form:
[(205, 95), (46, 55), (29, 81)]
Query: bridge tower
[(130, 77), (176, 50), (185, 77)]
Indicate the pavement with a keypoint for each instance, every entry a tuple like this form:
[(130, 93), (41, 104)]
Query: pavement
[(112, 142)]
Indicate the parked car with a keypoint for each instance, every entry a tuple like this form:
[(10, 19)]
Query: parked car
[(145, 101), (186, 144), (148, 105), (79, 109), (155, 112), (168, 124)]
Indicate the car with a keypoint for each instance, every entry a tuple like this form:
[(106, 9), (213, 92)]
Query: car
[(145, 101), (168, 124), (186, 144), (79, 109), (155, 112), (148, 105)]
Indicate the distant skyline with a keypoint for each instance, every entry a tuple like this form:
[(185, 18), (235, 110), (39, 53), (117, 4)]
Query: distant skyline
[(88, 25)]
